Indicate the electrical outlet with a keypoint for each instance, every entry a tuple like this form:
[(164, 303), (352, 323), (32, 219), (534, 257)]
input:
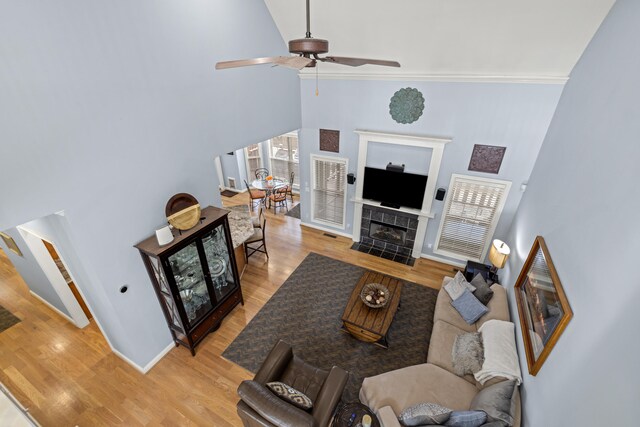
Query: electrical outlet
[(430, 246)]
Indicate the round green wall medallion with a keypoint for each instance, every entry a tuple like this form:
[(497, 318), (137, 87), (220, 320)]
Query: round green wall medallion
[(406, 105)]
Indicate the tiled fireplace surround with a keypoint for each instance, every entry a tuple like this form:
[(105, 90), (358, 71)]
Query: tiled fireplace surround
[(381, 248)]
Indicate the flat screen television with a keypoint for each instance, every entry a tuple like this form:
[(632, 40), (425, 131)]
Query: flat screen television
[(393, 188)]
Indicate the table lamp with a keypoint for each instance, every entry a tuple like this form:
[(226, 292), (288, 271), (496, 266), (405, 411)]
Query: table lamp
[(498, 255)]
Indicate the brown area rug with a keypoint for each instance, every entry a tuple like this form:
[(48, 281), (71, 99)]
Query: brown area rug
[(7, 319), (306, 313), (228, 193)]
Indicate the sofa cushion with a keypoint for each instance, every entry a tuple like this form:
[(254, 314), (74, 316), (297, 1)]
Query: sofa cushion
[(497, 401), (469, 307), (416, 384), (498, 306), (466, 419), (467, 353), (457, 285), (444, 311), (482, 290), (424, 413), (441, 345)]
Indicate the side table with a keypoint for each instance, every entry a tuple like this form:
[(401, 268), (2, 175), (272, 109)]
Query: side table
[(472, 268), (350, 415)]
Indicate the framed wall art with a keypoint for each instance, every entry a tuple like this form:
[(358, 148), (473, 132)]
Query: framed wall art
[(11, 244), (542, 305)]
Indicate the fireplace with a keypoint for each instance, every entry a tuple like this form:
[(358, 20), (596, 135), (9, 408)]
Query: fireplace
[(387, 232)]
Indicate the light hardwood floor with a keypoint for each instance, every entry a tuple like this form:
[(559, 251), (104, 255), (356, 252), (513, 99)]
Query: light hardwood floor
[(68, 377)]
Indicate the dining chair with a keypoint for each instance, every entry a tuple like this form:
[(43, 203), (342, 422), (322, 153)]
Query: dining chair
[(262, 173), (290, 186), (256, 221), (257, 238), (255, 195), (278, 198)]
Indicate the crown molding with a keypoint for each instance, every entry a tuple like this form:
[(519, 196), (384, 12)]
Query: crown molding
[(451, 78)]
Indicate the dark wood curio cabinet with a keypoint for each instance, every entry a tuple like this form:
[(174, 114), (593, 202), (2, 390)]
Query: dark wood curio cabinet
[(195, 277)]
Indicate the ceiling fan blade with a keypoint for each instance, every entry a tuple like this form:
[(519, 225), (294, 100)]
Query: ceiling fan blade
[(356, 62), (296, 62)]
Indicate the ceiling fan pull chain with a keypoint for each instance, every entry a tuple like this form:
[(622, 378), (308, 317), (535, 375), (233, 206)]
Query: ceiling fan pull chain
[(317, 66)]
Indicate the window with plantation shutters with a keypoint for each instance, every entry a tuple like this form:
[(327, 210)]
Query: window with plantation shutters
[(253, 157), (471, 213), (283, 158), (328, 199)]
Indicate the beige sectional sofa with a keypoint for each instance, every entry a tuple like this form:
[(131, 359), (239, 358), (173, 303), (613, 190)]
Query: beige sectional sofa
[(435, 381)]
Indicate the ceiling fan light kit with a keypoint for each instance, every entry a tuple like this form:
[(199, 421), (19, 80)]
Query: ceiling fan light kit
[(307, 49)]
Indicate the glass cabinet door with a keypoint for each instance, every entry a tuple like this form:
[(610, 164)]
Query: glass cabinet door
[(218, 260), (191, 283)]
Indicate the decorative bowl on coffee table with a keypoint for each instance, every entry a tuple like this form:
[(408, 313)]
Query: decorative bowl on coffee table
[(375, 295)]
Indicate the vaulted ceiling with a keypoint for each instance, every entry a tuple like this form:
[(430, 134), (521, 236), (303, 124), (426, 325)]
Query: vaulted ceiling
[(540, 39)]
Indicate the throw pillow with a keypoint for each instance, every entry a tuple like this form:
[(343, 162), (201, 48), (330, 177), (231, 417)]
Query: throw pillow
[(478, 280), (466, 419), (457, 285), (424, 413), (497, 401), (483, 292), (291, 395), (469, 307), (467, 353)]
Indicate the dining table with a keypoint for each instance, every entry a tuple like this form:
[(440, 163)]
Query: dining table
[(268, 186)]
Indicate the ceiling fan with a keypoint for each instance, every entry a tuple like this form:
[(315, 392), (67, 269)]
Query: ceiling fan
[(307, 50)]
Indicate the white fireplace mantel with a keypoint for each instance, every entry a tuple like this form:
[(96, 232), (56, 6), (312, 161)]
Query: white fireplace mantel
[(424, 214)]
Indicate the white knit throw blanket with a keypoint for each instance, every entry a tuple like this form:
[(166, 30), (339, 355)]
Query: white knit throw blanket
[(500, 355)]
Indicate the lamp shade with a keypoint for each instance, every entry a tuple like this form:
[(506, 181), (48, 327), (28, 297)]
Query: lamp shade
[(499, 253)]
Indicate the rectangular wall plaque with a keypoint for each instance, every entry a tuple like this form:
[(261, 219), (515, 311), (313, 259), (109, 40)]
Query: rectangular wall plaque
[(330, 140), (486, 158)]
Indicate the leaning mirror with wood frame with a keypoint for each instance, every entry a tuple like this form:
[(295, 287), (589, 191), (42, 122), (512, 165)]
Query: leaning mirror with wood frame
[(542, 305)]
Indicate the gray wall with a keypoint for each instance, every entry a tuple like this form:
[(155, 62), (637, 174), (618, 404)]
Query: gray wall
[(110, 108), (508, 114), (231, 168), (583, 199), (34, 278)]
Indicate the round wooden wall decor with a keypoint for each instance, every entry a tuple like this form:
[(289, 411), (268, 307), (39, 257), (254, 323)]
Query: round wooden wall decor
[(406, 105), (183, 211)]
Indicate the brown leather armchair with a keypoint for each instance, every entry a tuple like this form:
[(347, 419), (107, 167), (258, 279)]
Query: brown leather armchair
[(259, 407)]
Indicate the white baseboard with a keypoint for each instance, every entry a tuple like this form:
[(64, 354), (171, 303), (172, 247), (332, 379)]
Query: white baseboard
[(156, 359), (237, 190), (148, 366), (443, 260), (52, 307), (326, 229)]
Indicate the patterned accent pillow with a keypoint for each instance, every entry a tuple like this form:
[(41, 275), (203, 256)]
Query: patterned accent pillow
[(291, 395), (466, 419), (457, 285), (469, 307), (424, 413)]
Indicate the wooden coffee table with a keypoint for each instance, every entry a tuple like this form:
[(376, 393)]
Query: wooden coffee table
[(371, 324)]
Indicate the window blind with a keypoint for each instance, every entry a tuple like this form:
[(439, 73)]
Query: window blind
[(283, 156), (329, 181), (254, 160), (471, 213)]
